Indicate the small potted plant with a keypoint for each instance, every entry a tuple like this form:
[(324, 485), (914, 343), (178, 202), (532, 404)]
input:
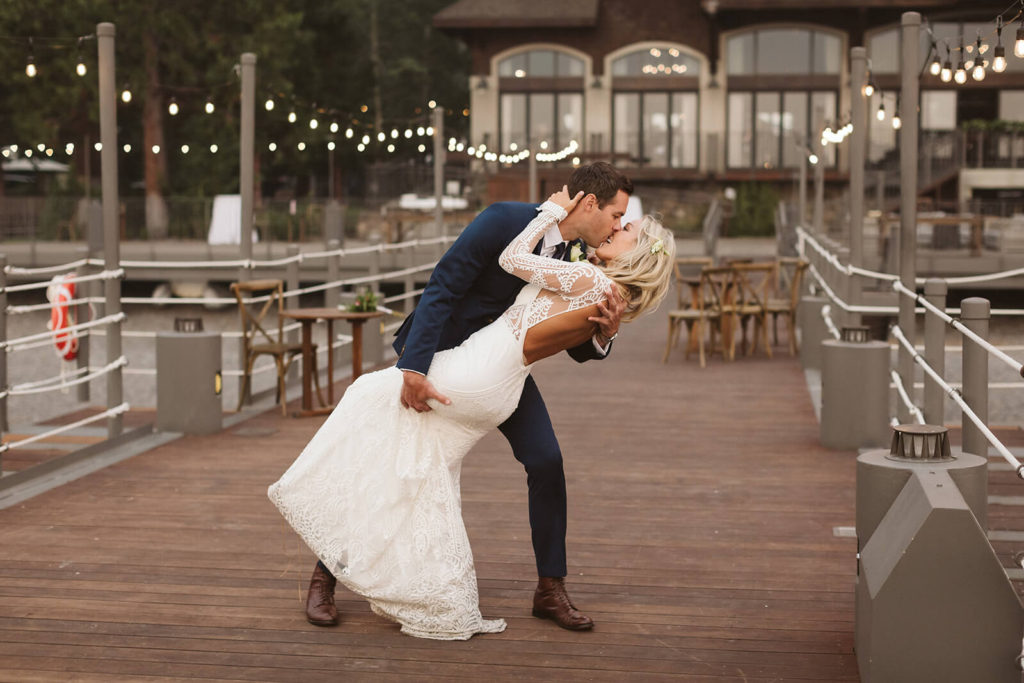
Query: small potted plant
[(365, 302)]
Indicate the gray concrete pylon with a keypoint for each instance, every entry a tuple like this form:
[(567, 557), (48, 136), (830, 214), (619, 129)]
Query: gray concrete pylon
[(909, 92), (246, 152)]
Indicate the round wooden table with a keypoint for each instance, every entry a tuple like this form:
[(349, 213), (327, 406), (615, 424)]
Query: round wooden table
[(308, 316)]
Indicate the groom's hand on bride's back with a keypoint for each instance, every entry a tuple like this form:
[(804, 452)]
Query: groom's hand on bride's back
[(416, 389)]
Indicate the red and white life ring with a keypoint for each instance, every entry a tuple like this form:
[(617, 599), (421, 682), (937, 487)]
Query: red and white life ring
[(60, 292)]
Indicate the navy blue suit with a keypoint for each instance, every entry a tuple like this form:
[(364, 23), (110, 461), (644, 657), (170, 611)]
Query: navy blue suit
[(467, 291)]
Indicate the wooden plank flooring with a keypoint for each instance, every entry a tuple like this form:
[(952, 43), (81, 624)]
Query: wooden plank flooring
[(701, 541)]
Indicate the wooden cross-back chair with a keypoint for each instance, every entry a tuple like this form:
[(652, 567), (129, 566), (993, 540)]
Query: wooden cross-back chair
[(754, 283), (258, 340), (689, 311), (786, 298)]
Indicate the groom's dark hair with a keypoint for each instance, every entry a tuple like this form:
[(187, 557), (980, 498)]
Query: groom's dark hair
[(600, 179)]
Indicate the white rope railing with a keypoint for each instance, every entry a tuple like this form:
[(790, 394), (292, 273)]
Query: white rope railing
[(110, 412), (49, 335), (59, 382), (32, 308), (826, 315), (43, 284), (961, 328), (908, 403), (959, 400), (46, 270)]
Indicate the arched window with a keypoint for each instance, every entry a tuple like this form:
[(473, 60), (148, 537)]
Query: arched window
[(780, 78), (541, 99), (655, 106)]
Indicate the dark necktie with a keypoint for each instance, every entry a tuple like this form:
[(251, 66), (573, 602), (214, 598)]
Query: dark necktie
[(559, 251)]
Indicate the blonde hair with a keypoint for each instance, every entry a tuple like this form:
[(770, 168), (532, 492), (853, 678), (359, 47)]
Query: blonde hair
[(645, 271)]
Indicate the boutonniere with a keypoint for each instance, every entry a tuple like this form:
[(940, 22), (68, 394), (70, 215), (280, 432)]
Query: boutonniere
[(576, 252)]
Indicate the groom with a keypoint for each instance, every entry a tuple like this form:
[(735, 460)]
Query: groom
[(467, 291)]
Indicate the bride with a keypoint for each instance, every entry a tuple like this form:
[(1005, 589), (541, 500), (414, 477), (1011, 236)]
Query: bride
[(375, 494)]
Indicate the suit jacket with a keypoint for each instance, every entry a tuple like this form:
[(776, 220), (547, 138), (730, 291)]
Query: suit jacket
[(468, 289)]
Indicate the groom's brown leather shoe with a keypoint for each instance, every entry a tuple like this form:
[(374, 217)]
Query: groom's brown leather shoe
[(320, 609), (550, 601)]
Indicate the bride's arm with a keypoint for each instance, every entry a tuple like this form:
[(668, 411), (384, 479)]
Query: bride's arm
[(569, 279)]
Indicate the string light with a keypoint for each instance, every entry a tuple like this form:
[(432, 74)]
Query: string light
[(30, 65), (936, 66), (156, 149), (301, 146), (334, 127), (172, 108), (961, 73), (999, 54), (80, 68), (979, 70), (209, 108), (813, 158), (897, 122), (184, 149), (313, 124), (272, 146), (869, 89), (269, 104), (330, 145), (127, 148), (98, 146), (292, 117), (213, 149), (1018, 44), (126, 94), (348, 133), (432, 104), (947, 70), (880, 114)]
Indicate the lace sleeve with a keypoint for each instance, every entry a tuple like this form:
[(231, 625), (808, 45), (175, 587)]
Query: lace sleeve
[(569, 279)]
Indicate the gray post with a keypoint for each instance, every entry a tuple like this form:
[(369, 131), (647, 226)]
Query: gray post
[(974, 312), (332, 296), (291, 284), (854, 394), (111, 233), (439, 161), (409, 281), (934, 352), (3, 345), (909, 90), (858, 147), (246, 166), (531, 164), (81, 315), (802, 190)]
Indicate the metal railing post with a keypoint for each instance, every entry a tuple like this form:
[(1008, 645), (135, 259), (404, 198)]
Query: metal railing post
[(111, 209), (81, 315), (246, 155), (935, 351), (974, 312), (332, 296), (3, 346), (909, 92)]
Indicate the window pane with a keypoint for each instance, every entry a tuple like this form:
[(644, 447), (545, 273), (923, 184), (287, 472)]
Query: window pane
[(825, 102), (827, 54), (740, 136), (881, 136), (884, 51), (740, 54), (1011, 105), (627, 124), (570, 118), (783, 51), (794, 128), (569, 65), (542, 118), (766, 148), (656, 129), (656, 61), (938, 110), (541, 63), (513, 66), (513, 121), (684, 130)]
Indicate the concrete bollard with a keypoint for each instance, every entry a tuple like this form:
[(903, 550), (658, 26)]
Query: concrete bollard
[(932, 599), (854, 391), (812, 330), (188, 382)]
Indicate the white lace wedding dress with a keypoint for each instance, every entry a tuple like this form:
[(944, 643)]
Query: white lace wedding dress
[(375, 494)]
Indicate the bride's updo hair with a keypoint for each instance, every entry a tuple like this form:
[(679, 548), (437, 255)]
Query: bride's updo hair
[(645, 271)]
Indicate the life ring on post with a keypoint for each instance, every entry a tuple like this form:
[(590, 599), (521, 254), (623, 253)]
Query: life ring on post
[(60, 293)]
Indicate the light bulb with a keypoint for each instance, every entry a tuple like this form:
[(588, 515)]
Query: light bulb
[(394, 132), (880, 114), (961, 74), (1018, 44), (897, 122), (184, 149), (172, 108), (209, 107), (213, 149), (999, 60), (869, 89), (936, 67), (361, 147), (947, 72), (292, 117), (348, 133), (272, 146), (979, 71), (269, 104), (381, 136), (30, 68), (813, 158), (127, 148), (156, 149), (334, 126), (313, 124), (432, 104), (330, 145), (301, 146), (81, 70)]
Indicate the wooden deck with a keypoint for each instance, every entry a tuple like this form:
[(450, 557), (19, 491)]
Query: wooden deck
[(701, 540)]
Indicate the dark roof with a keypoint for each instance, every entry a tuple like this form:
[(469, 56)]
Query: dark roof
[(517, 14)]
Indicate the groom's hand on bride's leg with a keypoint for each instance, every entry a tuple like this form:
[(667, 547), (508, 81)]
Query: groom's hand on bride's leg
[(416, 389)]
